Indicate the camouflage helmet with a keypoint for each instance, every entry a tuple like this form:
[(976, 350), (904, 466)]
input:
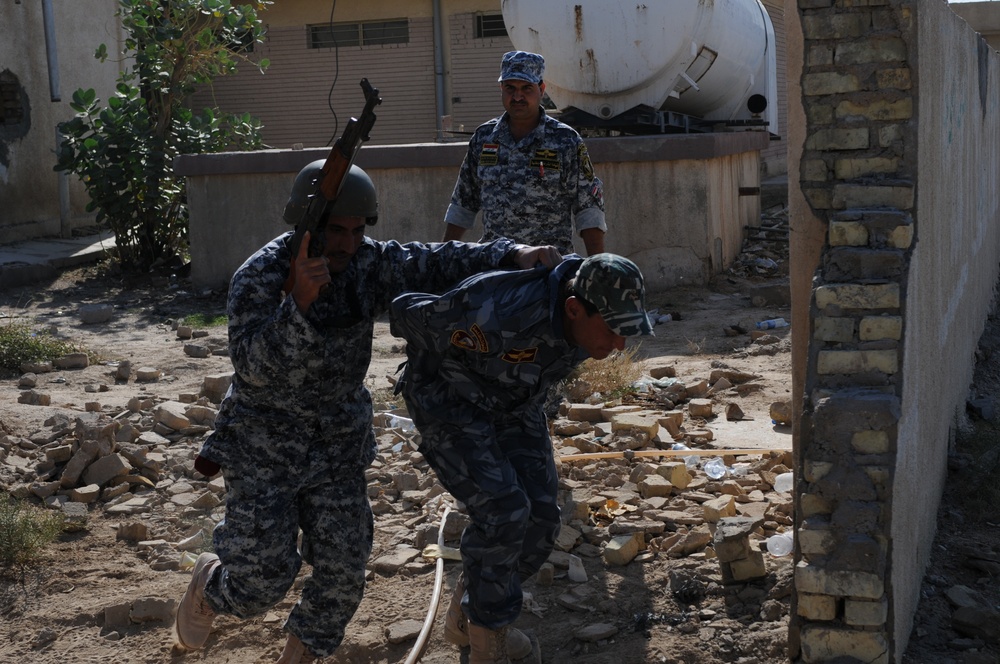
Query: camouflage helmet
[(357, 195), (613, 284)]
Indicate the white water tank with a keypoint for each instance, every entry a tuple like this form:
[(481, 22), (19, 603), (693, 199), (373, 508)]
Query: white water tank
[(706, 58)]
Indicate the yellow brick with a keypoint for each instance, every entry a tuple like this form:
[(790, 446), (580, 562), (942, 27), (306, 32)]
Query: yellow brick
[(866, 614), (823, 644), (829, 328), (875, 328), (858, 296), (819, 580), (901, 237), (817, 607), (848, 234), (879, 110), (846, 169), (870, 442), (814, 471), (857, 361), (814, 505), (815, 542)]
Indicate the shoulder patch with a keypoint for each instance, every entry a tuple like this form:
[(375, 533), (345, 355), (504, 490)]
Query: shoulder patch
[(520, 356), (473, 340), (585, 165)]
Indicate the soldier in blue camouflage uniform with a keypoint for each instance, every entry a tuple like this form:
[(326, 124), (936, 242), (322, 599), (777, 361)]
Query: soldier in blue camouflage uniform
[(528, 173), (294, 434), (480, 359)]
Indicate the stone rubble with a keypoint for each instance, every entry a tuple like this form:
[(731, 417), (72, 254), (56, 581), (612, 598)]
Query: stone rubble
[(627, 508)]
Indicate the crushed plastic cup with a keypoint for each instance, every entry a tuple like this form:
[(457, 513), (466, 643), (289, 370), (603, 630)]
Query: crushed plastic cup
[(783, 483), (715, 468), (780, 544), (404, 424), (187, 561)]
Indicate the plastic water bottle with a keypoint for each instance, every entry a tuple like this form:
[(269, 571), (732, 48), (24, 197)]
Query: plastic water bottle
[(783, 483), (715, 468), (780, 544), (772, 323), (689, 461)]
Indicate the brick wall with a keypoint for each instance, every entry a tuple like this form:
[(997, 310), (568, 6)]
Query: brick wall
[(889, 106)]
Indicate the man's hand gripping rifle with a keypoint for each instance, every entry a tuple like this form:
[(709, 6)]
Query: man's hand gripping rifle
[(326, 186)]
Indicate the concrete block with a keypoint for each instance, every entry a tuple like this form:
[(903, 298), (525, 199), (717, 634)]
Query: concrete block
[(824, 644), (858, 296), (827, 25), (848, 233), (873, 49), (876, 328), (818, 580), (816, 607), (839, 139), (900, 197), (870, 442), (622, 549), (857, 361), (863, 613), (676, 473), (833, 329), (847, 169)]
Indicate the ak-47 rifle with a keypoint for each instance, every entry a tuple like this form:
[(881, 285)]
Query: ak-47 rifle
[(326, 186)]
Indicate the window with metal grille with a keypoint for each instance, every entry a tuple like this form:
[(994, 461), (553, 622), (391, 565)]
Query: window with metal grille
[(369, 33), (11, 106), (490, 25)]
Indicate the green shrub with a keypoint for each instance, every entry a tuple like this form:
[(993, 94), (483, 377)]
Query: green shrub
[(19, 344), (24, 532), (124, 150), (206, 320)]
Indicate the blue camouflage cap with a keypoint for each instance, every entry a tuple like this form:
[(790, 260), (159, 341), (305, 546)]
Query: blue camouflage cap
[(614, 285), (522, 66)]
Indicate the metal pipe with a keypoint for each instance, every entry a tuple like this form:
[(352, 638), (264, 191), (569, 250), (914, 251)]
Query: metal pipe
[(439, 69), (64, 214), (50, 50)]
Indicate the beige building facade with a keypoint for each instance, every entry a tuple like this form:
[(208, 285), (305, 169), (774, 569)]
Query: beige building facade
[(46, 53), (435, 63)]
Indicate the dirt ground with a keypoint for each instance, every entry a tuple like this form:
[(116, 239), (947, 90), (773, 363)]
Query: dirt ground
[(59, 613)]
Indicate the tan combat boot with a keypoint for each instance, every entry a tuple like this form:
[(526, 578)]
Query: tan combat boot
[(487, 646), (456, 627), (193, 622), (295, 652)]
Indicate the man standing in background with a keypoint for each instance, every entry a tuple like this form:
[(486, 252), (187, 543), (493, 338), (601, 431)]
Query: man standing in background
[(529, 174)]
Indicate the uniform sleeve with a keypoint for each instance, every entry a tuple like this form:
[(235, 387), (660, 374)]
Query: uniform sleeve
[(267, 332), (435, 267), (465, 199), (588, 206)]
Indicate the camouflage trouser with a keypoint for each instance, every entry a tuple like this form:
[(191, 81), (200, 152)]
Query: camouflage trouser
[(502, 469), (266, 504)]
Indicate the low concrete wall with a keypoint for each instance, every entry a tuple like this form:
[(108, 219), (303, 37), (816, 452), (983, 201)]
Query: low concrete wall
[(674, 203)]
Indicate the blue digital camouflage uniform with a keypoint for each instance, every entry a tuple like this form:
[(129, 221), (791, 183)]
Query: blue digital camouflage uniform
[(480, 360), (294, 435), (532, 190)]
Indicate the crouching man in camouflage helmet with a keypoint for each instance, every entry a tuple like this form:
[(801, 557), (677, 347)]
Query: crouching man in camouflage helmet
[(480, 361), (294, 434)]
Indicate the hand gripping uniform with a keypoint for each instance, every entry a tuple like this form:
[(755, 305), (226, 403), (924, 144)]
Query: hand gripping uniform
[(294, 434), (534, 189), (480, 360)]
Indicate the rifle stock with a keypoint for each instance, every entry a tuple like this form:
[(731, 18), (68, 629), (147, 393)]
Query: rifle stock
[(335, 169)]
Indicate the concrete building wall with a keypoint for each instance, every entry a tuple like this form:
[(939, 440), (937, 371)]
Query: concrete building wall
[(293, 97), (952, 274), (673, 202), (983, 17), (896, 229), (30, 202)]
